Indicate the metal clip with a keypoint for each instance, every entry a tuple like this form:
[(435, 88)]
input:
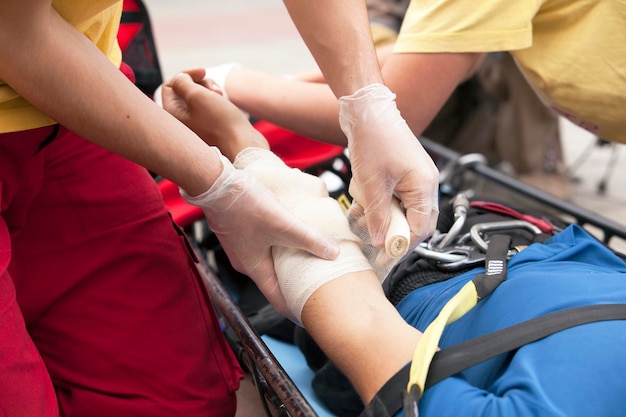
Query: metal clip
[(469, 250)]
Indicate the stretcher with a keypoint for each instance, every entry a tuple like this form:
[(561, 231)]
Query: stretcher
[(278, 369)]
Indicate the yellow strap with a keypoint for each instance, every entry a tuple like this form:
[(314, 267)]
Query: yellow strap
[(460, 304)]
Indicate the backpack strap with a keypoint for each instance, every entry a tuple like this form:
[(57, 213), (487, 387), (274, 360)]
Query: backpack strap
[(389, 399)]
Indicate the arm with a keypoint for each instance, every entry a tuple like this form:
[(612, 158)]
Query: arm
[(387, 158), (339, 37), (367, 338), (75, 84), (66, 77), (423, 82), (364, 322)]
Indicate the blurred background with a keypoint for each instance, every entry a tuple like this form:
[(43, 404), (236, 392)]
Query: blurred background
[(259, 34)]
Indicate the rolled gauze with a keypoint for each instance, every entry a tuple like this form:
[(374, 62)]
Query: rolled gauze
[(398, 237)]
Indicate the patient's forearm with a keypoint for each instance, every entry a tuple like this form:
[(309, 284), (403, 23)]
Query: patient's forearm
[(309, 109), (340, 302), (360, 331)]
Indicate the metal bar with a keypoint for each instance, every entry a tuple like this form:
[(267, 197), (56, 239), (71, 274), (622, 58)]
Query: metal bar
[(580, 214), (285, 389)]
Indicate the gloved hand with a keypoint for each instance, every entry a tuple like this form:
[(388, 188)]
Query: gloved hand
[(248, 220), (387, 160), (397, 240)]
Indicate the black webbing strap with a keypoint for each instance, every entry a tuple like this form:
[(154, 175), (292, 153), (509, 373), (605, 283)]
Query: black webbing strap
[(388, 400), (495, 266), (456, 358), (450, 361)]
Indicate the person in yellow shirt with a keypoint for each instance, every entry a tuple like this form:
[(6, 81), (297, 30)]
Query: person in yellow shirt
[(102, 311), (371, 334), (569, 51)]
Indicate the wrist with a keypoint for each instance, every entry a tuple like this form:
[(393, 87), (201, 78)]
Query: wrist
[(209, 170)]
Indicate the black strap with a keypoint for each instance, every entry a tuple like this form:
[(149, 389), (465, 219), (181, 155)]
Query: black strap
[(389, 399), (495, 266), (456, 358), (450, 361)]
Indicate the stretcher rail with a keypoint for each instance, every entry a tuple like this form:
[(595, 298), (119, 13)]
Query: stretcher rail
[(281, 396), (580, 215)]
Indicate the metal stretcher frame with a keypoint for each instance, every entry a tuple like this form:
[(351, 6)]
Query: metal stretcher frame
[(280, 394), (459, 164)]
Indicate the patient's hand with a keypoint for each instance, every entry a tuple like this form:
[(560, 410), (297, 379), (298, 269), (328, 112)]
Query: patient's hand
[(199, 104)]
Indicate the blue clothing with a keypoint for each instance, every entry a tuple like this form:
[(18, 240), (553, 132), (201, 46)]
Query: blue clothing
[(576, 372)]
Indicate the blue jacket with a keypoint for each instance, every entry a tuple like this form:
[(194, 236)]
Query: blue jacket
[(577, 372)]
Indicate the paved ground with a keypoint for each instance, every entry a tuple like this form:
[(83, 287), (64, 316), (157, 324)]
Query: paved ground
[(259, 34)]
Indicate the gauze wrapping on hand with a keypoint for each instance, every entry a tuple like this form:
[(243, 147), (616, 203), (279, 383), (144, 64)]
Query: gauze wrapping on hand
[(300, 273)]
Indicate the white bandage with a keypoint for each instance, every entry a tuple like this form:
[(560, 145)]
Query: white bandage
[(300, 273), (219, 74)]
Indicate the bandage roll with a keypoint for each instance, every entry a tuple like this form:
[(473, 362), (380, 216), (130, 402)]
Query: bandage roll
[(398, 237)]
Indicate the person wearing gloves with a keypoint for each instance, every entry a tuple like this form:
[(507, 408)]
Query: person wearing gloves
[(103, 310), (440, 44), (342, 305)]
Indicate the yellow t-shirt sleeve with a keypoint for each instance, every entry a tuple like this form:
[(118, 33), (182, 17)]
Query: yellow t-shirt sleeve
[(99, 22), (466, 26)]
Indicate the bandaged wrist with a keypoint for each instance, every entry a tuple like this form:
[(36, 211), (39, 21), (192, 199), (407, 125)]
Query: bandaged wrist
[(300, 273)]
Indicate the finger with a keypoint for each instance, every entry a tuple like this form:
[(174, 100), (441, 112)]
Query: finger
[(378, 217), (197, 74), (420, 220), (212, 85), (182, 85), (166, 96)]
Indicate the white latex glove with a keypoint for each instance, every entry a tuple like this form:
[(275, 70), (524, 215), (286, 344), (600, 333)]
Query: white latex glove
[(387, 160), (397, 241), (248, 220)]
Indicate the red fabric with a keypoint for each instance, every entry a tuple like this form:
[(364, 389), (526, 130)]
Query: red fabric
[(127, 31), (130, 6), (183, 214), (544, 225), (296, 150), (126, 34), (92, 265)]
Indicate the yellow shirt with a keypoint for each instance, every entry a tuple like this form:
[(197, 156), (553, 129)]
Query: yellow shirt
[(98, 21), (573, 52)]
